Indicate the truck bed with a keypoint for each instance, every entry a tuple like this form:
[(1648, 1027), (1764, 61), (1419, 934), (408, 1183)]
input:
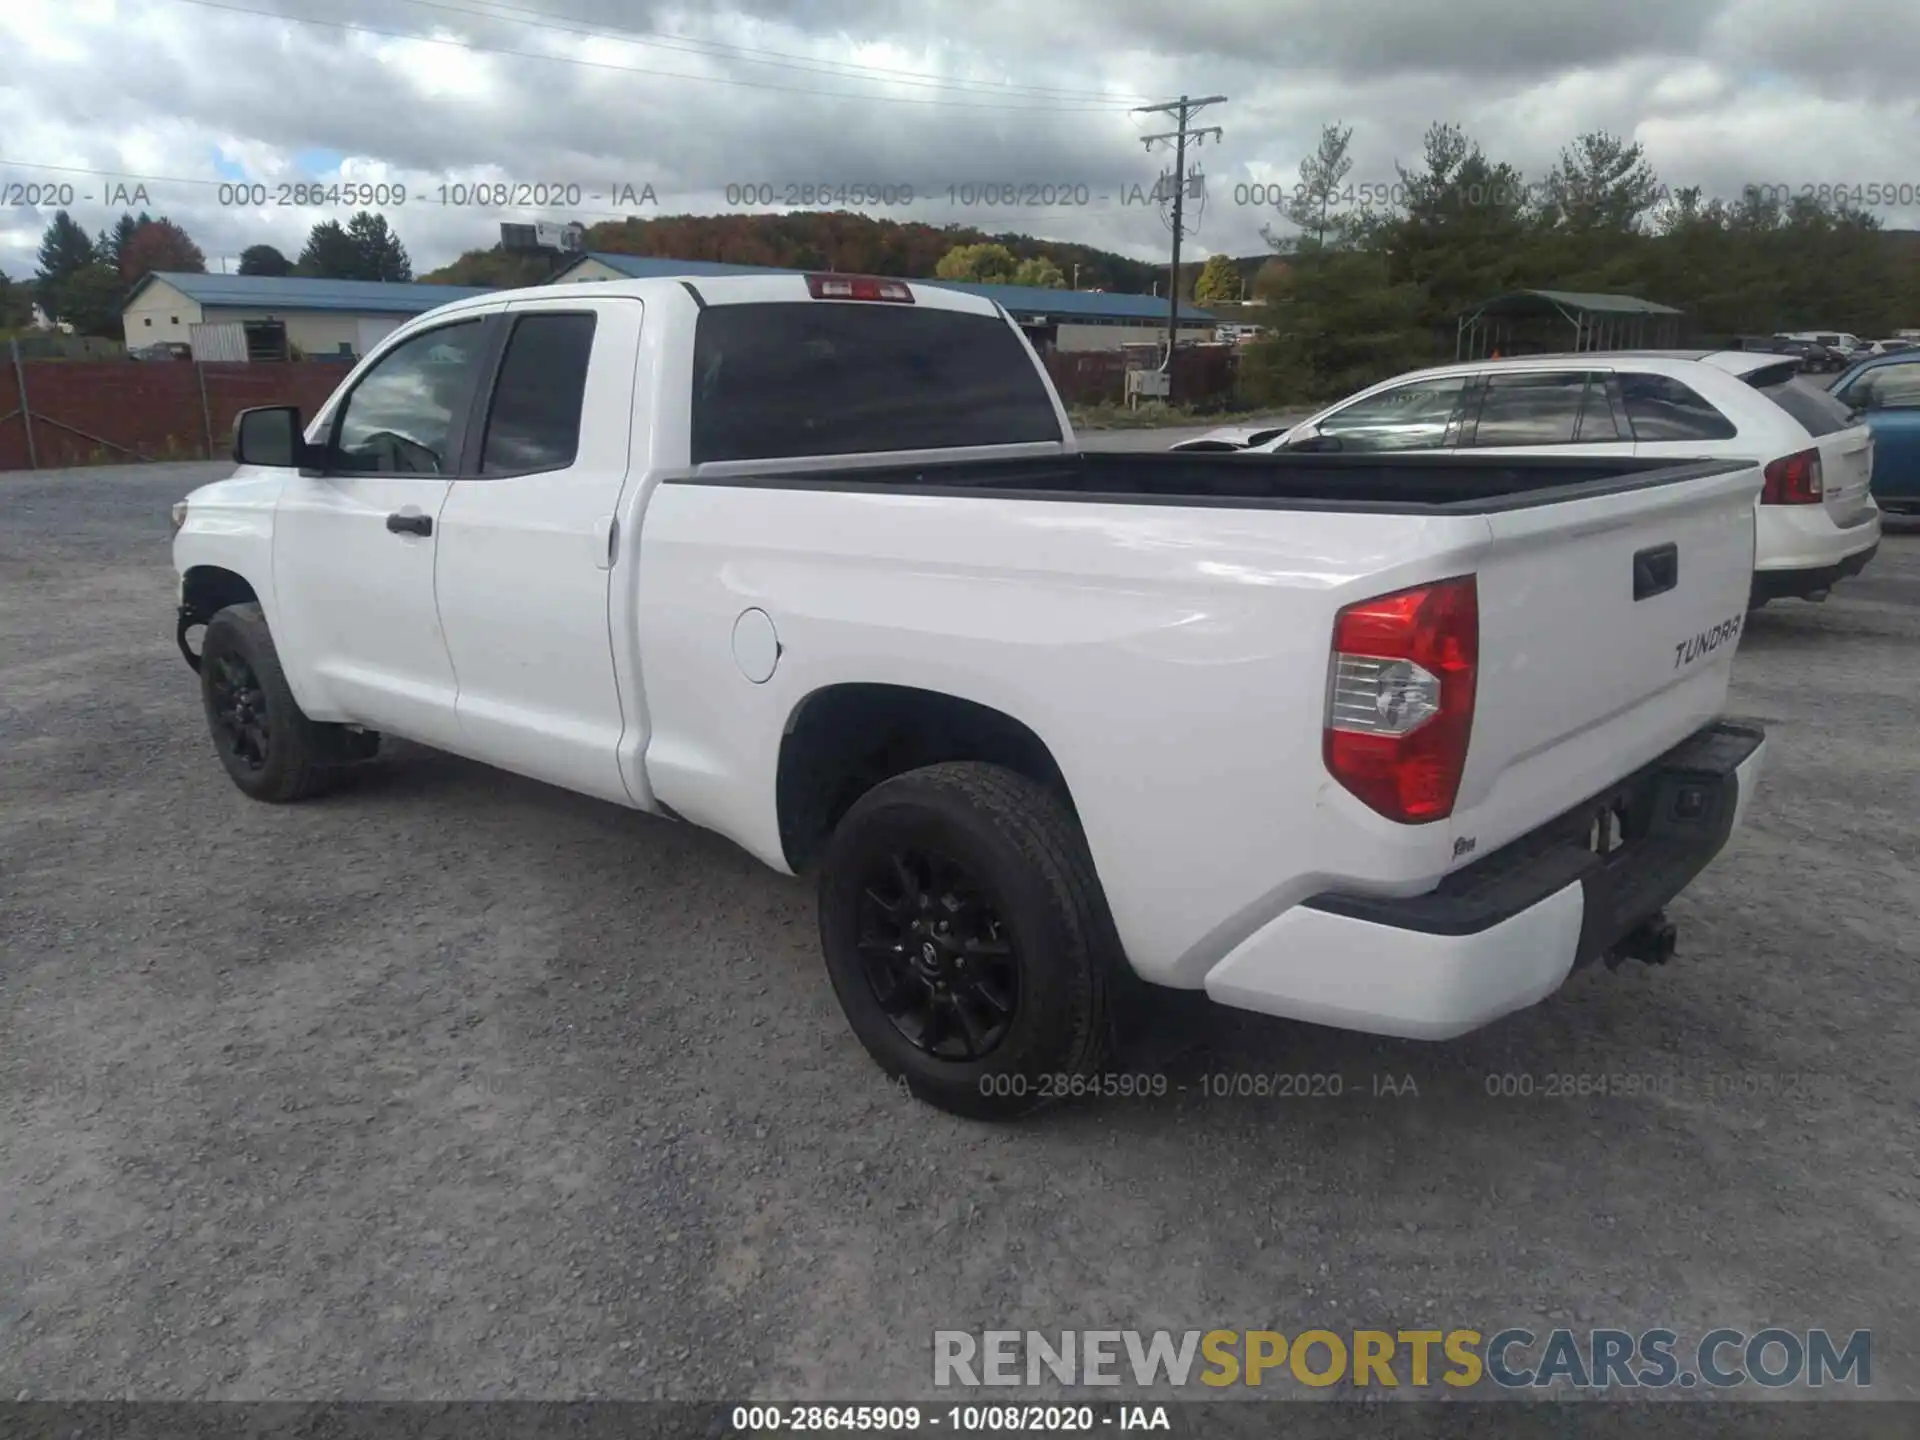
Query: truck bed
[(1456, 484)]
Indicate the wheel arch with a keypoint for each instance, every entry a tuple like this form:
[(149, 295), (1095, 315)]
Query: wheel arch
[(206, 590), (843, 739)]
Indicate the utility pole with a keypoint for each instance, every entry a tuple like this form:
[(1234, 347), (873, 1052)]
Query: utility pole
[(1183, 110)]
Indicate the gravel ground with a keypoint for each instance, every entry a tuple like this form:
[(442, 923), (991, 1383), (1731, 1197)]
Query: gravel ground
[(454, 1085)]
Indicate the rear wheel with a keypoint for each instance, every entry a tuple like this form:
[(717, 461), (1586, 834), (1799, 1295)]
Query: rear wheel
[(270, 749), (967, 939)]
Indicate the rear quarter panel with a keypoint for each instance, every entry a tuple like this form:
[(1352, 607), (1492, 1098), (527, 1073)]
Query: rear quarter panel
[(1174, 661)]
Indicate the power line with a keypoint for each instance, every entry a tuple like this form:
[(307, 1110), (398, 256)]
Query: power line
[(478, 48), (1184, 109), (753, 55)]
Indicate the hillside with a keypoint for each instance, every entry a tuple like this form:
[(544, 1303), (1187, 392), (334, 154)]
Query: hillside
[(835, 240)]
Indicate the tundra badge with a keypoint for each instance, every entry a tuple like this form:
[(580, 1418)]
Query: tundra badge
[(1707, 641)]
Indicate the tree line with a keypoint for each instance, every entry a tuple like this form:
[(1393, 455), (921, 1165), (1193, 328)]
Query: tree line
[(1371, 279), (826, 240), (84, 280), (1366, 279)]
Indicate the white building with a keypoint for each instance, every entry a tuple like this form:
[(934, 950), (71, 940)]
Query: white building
[(236, 317)]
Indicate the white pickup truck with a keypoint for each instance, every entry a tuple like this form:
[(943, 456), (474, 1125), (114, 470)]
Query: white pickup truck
[(1387, 743)]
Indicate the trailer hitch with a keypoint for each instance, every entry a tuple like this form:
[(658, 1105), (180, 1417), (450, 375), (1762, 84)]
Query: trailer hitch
[(1652, 942)]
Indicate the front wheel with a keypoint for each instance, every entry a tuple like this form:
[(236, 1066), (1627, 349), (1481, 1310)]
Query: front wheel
[(967, 938), (270, 749)]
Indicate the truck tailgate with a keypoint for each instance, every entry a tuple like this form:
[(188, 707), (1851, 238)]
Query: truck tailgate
[(1608, 626)]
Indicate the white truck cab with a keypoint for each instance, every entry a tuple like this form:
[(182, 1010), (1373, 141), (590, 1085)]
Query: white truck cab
[(1394, 743)]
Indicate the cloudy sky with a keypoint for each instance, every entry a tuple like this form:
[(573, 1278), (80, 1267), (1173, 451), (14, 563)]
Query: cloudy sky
[(952, 98)]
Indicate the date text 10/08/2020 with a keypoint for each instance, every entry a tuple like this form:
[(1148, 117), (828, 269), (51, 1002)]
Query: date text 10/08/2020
[(1332, 1085), (339, 194), (1279, 195), (959, 1419), (1235, 1085), (966, 195)]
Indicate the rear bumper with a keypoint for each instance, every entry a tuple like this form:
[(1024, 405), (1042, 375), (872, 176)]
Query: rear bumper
[(1506, 931), (1812, 581)]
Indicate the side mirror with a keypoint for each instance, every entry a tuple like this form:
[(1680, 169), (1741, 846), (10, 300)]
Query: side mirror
[(1315, 444), (270, 435)]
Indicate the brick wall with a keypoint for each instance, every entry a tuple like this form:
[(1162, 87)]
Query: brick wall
[(1088, 377), (116, 412)]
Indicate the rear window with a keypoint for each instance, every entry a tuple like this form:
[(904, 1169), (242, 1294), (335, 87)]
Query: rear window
[(851, 378), (1660, 408), (1817, 411)]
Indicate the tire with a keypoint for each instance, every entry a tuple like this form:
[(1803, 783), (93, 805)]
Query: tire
[(970, 831), (287, 758)]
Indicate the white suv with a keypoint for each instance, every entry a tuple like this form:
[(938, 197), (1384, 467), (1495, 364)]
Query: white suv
[(1817, 522)]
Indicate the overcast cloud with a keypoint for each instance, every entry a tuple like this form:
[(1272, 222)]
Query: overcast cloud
[(180, 96)]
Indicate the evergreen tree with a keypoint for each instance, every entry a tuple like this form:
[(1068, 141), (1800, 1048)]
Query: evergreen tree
[(65, 250), (113, 243), (378, 251), (90, 300), (329, 253), (264, 260), (1315, 206)]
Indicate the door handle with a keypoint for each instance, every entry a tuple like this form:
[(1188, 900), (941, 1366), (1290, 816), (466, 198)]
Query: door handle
[(1656, 570), (401, 523)]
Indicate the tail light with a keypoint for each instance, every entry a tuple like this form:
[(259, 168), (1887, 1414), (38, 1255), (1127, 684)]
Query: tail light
[(1793, 480), (1400, 700), (858, 287)]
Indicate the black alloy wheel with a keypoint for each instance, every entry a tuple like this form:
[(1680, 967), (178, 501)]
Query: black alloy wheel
[(967, 938), (939, 958), (238, 709)]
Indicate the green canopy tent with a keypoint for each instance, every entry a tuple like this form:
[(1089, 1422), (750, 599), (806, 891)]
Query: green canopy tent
[(1543, 321)]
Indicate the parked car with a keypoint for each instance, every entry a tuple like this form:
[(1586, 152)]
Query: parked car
[(1885, 393), (1834, 348), (1392, 743), (162, 350), (1817, 520), (1812, 354), (1235, 437)]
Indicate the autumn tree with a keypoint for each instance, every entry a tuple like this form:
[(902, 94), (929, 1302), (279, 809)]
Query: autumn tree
[(1219, 282), (1040, 273), (159, 245), (496, 267), (983, 264)]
